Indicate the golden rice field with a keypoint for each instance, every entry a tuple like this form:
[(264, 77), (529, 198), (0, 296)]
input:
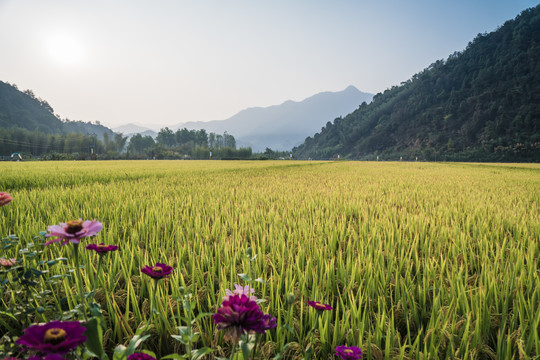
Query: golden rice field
[(419, 260)]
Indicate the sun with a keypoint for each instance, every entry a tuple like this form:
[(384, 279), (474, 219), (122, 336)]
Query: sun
[(65, 48)]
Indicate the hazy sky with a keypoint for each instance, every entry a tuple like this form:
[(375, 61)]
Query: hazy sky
[(163, 62)]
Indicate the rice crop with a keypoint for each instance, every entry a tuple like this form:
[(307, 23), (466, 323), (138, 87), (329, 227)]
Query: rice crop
[(417, 260)]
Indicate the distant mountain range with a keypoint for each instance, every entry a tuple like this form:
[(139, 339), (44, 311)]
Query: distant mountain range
[(281, 127), (131, 129), (481, 104)]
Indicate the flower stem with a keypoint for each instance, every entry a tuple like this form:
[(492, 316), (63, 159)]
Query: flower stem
[(312, 337), (233, 351), (79, 280), (152, 295), (97, 275), (188, 345), (254, 352)]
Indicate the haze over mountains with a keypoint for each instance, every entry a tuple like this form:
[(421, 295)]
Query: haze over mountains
[(279, 127)]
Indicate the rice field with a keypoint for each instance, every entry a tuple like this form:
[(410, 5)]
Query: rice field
[(418, 260)]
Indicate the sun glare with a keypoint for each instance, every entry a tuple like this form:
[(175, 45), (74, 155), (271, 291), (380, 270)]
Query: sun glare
[(65, 48)]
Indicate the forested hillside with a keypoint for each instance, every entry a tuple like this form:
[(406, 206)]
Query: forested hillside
[(481, 104)]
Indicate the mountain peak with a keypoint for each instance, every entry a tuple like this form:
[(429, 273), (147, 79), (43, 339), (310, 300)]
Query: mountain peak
[(280, 127)]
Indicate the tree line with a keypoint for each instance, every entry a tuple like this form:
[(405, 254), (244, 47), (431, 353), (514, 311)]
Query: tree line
[(182, 144)]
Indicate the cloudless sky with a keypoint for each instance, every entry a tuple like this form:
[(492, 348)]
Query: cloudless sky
[(164, 62)]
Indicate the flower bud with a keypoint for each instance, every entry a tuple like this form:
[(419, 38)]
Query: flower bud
[(290, 299)]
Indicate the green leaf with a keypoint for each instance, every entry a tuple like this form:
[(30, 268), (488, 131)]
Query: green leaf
[(135, 342), (245, 277), (244, 346), (94, 336), (120, 353), (200, 316), (179, 338), (196, 354), (174, 356)]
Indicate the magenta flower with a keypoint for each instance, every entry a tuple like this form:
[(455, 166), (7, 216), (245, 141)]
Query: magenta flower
[(73, 231), (140, 356), (348, 352), (241, 315), (158, 271), (56, 337), (5, 198), (101, 249), (319, 306), (240, 290)]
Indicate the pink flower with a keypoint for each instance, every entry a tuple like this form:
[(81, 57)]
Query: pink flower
[(240, 290), (73, 231), (7, 263), (5, 198)]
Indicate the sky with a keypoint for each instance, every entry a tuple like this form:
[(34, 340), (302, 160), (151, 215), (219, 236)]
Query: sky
[(163, 62)]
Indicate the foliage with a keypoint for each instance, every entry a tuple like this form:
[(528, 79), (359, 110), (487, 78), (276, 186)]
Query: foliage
[(186, 144), (480, 104)]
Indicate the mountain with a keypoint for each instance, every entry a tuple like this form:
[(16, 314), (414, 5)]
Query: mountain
[(130, 129), (23, 110), (280, 127), (481, 104)]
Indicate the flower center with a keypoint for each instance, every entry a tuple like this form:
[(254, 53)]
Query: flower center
[(348, 351), (74, 226), (319, 306), (102, 246), (54, 336), (157, 269)]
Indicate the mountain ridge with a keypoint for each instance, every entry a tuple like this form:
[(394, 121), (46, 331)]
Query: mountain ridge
[(285, 125), (480, 104)]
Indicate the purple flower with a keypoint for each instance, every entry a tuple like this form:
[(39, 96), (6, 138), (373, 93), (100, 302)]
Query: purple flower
[(268, 322), (56, 337), (140, 356), (319, 306), (158, 271), (5, 198), (101, 249), (240, 290), (73, 231), (240, 315), (348, 352)]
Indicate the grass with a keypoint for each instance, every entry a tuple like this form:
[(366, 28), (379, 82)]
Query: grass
[(419, 260)]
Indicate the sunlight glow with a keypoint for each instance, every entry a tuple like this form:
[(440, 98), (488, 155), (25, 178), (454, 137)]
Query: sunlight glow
[(65, 48)]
